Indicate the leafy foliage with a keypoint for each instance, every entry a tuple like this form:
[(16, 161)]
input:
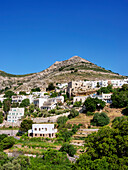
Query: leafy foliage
[(100, 119), (25, 103), (6, 105), (89, 113), (50, 87), (62, 120), (70, 149), (73, 113), (106, 149), (1, 104), (9, 94), (22, 93), (107, 89), (36, 90), (77, 104), (6, 142), (120, 97), (1, 117), (91, 104), (25, 125)]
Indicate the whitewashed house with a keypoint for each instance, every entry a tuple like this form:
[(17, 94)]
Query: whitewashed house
[(40, 101), (79, 98), (15, 114), (42, 130)]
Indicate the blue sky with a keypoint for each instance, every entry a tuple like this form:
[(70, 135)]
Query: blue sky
[(36, 33)]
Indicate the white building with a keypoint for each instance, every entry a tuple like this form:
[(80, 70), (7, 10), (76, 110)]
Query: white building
[(42, 130), (18, 98), (2, 98), (104, 97), (40, 101), (39, 94), (62, 85), (79, 98), (15, 114)]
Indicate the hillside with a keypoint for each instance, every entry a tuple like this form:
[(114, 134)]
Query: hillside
[(75, 68)]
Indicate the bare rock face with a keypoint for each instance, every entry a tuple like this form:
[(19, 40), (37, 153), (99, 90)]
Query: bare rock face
[(75, 68)]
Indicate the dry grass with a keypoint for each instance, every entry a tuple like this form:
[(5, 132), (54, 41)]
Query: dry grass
[(113, 112), (81, 119), (85, 120)]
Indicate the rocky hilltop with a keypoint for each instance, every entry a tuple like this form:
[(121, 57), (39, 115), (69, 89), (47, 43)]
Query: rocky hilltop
[(75, 68)]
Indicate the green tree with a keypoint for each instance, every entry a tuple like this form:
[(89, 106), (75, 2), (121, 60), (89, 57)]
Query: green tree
[(77, 104), (36, 90), (25, 103), (120, 99), (13, 105), (73, 113), (64, 135), (1, 104), (22, 93), (31, 108), (1, 117), (25, 125), (6, 105), (91, 104), (8, 142), (100, 119), (9, 94), (107, 89), (55, 157), (106, 149), (55, 94), (62, 120), (70, 149), (51, 87)]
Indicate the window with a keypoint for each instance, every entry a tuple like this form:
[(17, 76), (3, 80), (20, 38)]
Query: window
[(35, 129), (46, 129), (17, 113), (35, 134), (40, 134), (39, 129), (43, 135), (42, 128), (20, 113)]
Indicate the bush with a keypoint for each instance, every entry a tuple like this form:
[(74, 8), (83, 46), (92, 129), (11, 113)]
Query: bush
[(89, 113), (91, 104), (62, 120), (26, 125), (70, 149), (73, 113), (1, 117), (100, 119), (50, 87), (25, 103), (77, 104)]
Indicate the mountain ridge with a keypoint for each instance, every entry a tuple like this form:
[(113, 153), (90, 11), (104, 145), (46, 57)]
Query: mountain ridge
[(75, 68)]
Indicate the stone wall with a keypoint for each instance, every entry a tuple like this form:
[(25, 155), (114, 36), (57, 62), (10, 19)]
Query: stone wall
[(9, 132), (51, 119), (7, 124)]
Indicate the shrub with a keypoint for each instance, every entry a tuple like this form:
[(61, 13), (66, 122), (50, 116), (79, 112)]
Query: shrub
[(26, 125), (89, 113), (62, 120), (77, 104), (100, 119), (70, 149), (91, 104), (73, 113)]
